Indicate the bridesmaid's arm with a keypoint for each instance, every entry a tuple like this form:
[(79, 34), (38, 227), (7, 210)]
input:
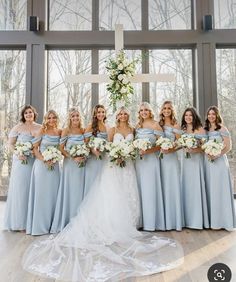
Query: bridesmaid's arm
[(111, 133), (63, 143), (36, 145)]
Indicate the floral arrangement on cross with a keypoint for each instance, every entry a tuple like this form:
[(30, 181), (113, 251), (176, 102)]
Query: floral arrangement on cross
[(120, 70)]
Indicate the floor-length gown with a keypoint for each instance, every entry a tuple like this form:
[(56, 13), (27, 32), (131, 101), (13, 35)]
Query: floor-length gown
[(18, 195), (71, 189), (170, 178), (101, 243), (149, 184), (194, 190), (219, 189), (44, 186), (93, 165)]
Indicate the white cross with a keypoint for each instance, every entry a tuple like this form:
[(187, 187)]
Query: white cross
[(103, 78)]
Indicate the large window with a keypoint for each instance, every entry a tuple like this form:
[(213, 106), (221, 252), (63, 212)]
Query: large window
[(174, 68), (61, 94), (12, 99), (173, 14), (70, 15), (226, 93), (127, 12), (13, 14), (225, 13)]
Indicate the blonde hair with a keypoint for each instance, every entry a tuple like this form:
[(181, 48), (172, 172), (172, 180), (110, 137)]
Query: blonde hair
[(119, 110), (147, 106), (45, 119), (172, 117), (70, 112)]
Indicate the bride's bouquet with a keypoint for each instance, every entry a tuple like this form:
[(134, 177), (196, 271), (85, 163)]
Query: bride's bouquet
[(187, 142), (213, 148), (142, 144), (23, 149), (165, 144), (98, 144), (79, 150), (120, 151), (53, 155)]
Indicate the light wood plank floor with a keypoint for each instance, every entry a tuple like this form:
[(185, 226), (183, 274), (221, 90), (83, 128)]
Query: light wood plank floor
[(201, 249)]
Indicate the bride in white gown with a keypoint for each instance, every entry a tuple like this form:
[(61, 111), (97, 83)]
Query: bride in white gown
[(101, 243)]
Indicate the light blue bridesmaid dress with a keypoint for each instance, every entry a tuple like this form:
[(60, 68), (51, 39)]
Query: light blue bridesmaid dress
[(71, 188), (44, 186), (170, 177), (149, 184), (219, 189), (93, 166), (194, 190), (18, 194)]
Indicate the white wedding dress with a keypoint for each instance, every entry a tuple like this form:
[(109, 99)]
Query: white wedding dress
[(101, 243)]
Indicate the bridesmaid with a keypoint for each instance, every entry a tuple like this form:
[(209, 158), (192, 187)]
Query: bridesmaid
[(18, 194), (96, 128), (44, 183), (192, 175), (71, 188), (218, 182), (170, 167), (148, 172)]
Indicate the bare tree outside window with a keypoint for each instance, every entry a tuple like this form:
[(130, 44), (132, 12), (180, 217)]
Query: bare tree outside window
[(225, 13), (70, 15), (126, 12), (177, 63), (13, 14), (169, 15), (63, 95), (226, 94), (12, 99)]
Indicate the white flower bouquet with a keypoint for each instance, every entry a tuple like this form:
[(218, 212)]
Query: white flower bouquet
[(165, 144), (98, 144), (142, 144), (52, 154), (120, 70), (23, 149), (213, 148), (120, 151), (187, 142), (79, 150)]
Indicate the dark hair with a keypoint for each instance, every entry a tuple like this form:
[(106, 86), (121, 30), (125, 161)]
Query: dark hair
[(26, 107), (219, 119), (173, 115), (196, 119), (95, 120)]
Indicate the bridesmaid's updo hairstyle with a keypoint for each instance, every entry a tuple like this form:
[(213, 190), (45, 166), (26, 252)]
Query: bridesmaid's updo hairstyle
[(95, 120), (45, 119), (219, 119), (196, 119), (26, 107), (70, 113), (172, 117), (147, 106)]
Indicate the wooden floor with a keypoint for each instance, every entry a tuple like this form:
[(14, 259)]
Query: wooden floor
[(201, 248)]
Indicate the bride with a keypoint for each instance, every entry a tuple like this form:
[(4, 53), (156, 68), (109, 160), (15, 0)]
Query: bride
[(101, 243)]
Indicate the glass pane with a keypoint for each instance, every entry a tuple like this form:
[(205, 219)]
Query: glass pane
[(226, 93), (70, 15), (12, 99), (61, 94), (173, 14), (136, 98), (13, 14), (225, 13), (126, 12), (174, 68)]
